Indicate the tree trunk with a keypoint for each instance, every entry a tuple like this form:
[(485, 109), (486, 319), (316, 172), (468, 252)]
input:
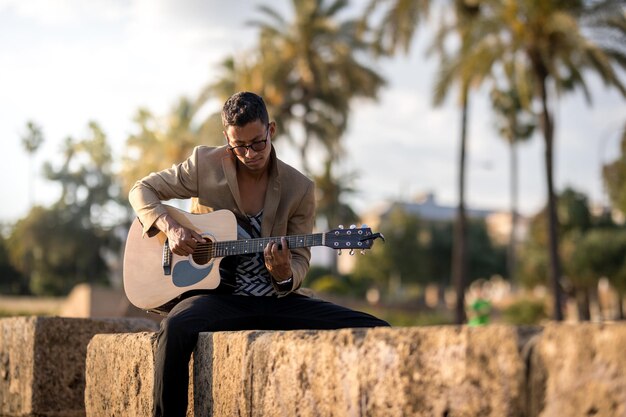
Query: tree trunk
[(553, 222), (620, 306), (582, 302), (511, 254), (459, 255)]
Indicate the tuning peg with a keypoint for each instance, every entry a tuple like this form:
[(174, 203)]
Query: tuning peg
[(340, 226), (364, 226), (339, 252), (353, 226), (351, 252), (362, 251)]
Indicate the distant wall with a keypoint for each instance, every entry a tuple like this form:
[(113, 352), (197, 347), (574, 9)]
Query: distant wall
[(20, 305), (84, 301)]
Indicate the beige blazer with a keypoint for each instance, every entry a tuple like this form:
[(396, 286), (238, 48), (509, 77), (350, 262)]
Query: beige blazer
[(209, 175)]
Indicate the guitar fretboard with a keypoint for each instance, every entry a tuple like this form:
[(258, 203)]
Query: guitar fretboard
[(243, 246)]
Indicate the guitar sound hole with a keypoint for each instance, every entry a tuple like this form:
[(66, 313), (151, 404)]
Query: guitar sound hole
[(201, 256)]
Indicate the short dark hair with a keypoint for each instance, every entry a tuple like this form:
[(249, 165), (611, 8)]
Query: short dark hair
[(243, 108)]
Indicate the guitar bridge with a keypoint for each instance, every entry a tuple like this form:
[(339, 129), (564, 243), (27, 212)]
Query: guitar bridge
[(167, 258)]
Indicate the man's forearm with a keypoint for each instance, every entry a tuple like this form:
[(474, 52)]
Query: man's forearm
[(165, 222)]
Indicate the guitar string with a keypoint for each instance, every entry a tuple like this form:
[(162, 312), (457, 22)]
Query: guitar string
[(250, 245), (235, 247)]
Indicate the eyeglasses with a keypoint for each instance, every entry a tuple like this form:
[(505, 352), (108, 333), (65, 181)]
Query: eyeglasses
[(256, 146)]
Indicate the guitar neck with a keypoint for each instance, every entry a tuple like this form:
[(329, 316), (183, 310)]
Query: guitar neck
[(246, 246)]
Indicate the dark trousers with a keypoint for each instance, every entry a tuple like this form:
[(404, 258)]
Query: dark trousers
[(178, 335)]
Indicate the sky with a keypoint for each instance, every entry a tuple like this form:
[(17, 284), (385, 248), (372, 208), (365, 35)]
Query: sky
[(64, 63)]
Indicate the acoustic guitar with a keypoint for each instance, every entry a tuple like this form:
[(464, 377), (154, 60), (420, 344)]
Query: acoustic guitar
[(155, 279)]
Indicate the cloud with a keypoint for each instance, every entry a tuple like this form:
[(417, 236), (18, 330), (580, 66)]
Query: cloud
[(63, 12), (65, 62)]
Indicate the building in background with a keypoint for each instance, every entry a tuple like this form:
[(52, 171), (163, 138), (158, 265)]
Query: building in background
[(426, 207)]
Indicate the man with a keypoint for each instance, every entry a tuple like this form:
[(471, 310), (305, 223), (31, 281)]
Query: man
[(268, 198)]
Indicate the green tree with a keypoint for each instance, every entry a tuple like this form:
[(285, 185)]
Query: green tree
[(399, 19), (160, 142), (312, 61), (396, 31), (330, 205), (58, 247), (600, 253), (559, 40), (308, 68), (56, 252), (12, 281), (307, 72), (576, 223), (614, 175), (32, 140), (515, 123), (400, 258), (467, 66), (420, 251)]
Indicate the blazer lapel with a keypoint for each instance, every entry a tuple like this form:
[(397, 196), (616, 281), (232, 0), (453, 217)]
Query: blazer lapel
[(272, 198), (230, 172)]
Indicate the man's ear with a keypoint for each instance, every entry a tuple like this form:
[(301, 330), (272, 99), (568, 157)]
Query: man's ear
[(272, 127)]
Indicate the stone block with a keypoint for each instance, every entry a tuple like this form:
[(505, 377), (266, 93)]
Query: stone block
[(427, 371), (578, 370), (42, 362), (119, 375)]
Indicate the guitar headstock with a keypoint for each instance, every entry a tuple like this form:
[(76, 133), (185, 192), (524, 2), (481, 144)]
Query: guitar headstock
[(353, 238)]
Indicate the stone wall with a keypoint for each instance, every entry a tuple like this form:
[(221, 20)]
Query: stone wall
[(431, 371), (454, 371), (578, 370), (561, 370), (42, 362)]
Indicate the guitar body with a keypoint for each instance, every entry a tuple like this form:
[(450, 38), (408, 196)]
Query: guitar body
[(149, 284), (155, 279)]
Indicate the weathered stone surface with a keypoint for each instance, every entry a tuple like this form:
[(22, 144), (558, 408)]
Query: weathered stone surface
[(42, 362), (119, 375), (578, 370), (430, 371), (564, 370)]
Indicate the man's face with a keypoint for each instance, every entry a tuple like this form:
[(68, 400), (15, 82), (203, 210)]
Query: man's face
[(245, 140)]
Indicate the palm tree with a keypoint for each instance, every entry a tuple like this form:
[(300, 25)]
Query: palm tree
[(310, 64), (471, 63), (614, 177), (31, 141), (515, 123), (330, 190), (396, 28), (311, 73), (248, 72), (559, 40), (160, 142), (396, 31), (308, 71)]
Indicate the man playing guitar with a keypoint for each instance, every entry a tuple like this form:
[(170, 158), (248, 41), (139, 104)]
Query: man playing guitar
[(268, 198)]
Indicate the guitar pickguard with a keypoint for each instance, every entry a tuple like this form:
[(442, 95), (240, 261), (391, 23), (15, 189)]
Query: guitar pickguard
[(185, 274)]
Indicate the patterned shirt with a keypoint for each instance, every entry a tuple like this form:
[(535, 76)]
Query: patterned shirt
[(252, 277)]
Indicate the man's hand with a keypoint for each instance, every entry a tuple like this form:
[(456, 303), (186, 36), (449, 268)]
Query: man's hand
[(278, 261), (182, 241)]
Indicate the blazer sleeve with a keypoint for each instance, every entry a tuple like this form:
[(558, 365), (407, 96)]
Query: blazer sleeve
[(179, 181)]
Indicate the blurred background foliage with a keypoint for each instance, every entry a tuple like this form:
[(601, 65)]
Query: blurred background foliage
[(311, 66)]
